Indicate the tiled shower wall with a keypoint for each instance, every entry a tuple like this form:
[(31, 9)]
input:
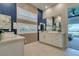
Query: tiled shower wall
[(27, 15)]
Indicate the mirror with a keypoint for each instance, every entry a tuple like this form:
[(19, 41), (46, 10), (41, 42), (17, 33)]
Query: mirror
[(5, 21), (54, 24)]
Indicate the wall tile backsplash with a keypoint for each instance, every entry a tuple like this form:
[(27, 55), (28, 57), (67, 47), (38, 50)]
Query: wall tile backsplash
[(25, 28)]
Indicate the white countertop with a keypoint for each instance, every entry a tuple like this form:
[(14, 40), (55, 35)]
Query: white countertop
[(53, 32), (9, 38), (28, 33)]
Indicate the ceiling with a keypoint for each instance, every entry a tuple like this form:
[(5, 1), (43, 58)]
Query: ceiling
[(42, 6)]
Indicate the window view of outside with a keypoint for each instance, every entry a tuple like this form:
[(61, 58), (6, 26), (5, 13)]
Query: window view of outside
[(73, 29)]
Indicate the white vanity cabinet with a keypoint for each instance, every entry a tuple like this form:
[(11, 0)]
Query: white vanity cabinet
[(52, 38), (42, 37), (56, 39)]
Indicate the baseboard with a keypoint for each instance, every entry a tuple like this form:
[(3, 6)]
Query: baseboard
[(52, 45)]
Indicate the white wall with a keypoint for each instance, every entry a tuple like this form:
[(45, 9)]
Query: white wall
[(59, 10)]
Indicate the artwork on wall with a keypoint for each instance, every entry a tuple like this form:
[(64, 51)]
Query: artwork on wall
[(73, 11), (54, 24), (5, 22)]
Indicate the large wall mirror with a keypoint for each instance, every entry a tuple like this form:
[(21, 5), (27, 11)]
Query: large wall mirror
[(5, 22), (54, 24)]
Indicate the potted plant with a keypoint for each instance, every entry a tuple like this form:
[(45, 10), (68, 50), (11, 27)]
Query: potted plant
[(1, 31)]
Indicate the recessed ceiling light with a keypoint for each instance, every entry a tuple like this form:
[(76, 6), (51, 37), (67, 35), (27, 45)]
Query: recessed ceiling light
[(46, 7)]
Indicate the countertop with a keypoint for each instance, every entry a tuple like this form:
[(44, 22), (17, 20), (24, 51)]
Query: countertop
[(53, 32), (11, 37)]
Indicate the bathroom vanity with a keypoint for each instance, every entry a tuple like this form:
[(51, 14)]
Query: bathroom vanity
[(11, 45), (53, 35), (52, 38)]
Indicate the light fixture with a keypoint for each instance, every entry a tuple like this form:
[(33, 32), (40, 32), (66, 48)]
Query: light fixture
[(46, 7)]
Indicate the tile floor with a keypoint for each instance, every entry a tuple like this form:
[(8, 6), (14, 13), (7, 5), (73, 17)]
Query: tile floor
[(39, 49)]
